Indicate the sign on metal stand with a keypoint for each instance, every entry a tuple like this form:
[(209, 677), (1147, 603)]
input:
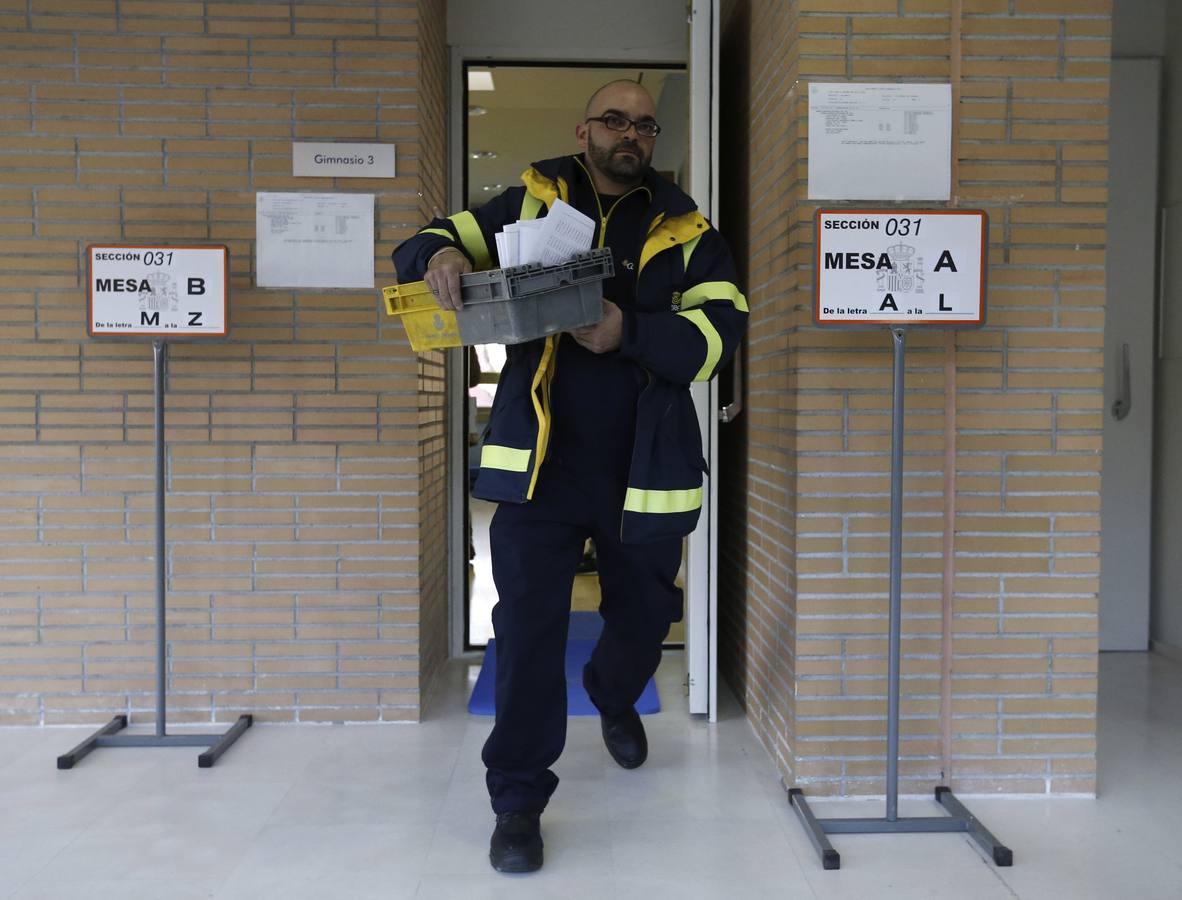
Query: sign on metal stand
[(161, 294), (900, 269)]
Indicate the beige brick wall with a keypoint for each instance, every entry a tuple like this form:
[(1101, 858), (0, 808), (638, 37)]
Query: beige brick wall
[(433, 487), (757, 602), (306, 459), (808, 647)]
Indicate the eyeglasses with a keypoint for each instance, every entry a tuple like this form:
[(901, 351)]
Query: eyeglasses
[(615, 122)]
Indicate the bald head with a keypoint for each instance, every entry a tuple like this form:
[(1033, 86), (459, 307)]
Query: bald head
[(617, 156), (623, 90)]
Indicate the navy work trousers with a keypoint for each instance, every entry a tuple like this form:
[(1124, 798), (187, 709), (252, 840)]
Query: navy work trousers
[(536, 549)]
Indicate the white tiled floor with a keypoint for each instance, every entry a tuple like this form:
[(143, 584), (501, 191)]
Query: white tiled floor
[(302, 812)]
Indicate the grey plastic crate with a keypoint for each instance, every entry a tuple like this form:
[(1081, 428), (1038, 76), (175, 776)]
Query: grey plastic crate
[(521, 303)]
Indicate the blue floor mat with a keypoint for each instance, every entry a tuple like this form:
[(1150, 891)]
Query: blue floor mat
[(584, 632)]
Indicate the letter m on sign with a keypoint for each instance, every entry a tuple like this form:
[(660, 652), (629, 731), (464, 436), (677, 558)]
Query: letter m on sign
[(149, 319)]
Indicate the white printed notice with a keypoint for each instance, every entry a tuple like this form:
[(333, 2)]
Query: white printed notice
[(314, 240), (880, 141)]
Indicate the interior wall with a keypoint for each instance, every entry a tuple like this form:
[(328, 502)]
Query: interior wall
[(759, 177), (433, 486), (533, 111), (304, 450), (635, 32), (1166, 613), (807, 604)]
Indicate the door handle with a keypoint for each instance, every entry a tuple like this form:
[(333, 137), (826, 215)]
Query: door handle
[(731, 411), (1124, 399)]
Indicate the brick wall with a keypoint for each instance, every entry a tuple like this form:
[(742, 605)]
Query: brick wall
[(433, 488), (1016, 405), (305, 465), (757, 588)]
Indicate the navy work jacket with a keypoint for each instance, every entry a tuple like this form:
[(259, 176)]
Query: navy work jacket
[(685, 324)]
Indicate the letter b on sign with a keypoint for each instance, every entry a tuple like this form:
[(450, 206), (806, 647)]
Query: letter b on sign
[(196, 286)]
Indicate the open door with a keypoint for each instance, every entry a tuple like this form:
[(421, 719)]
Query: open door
[(1126, 488), (700, 577), (702, 557)]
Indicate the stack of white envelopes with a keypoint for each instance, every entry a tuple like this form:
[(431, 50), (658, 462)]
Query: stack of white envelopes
[(550, 241)]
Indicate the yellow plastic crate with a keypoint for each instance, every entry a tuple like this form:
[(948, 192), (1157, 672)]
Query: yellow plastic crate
[(506, 306), (427, 326)]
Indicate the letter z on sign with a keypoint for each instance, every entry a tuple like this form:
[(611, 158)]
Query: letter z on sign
[(147, 291)]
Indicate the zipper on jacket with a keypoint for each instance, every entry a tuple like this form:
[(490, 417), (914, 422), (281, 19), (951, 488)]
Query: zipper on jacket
[(599, 206), (544, 375)]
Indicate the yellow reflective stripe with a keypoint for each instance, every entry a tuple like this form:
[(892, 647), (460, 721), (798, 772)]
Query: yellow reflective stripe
[(687, 250), (714, 290), (508, 458), (530, 206), (542, 377), (470, 236), (639, 501), (713, 342), (440, 231)]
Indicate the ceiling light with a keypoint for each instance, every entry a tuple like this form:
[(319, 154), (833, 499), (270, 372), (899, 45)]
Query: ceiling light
[(480, 80), (476, 110), (492, 187), (483, 154)]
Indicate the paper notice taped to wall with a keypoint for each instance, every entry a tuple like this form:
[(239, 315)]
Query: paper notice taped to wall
[(880, 141), (314, 240)]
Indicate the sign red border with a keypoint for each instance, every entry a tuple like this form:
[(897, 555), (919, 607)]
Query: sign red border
[(896, 323), (144, 335)]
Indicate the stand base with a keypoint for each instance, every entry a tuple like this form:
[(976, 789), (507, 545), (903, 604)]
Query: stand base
[(958, 819), (106, 737)]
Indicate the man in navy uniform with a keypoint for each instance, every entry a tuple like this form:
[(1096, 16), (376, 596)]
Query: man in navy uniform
[(593, 434)]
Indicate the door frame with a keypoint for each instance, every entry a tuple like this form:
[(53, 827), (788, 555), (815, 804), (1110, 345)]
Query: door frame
[(700, 566), (1127, 492), (702, 556)]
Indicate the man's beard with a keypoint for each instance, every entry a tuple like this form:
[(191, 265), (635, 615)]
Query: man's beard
[(619, 167)]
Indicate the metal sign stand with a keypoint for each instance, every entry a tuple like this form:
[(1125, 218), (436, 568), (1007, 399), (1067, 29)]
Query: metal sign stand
[(959, 819), (107, 736), (875, 267)]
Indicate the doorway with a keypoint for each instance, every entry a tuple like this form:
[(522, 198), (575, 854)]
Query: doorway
[(517, 113)]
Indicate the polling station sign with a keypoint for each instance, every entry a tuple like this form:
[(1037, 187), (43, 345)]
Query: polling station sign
[(136, 290), (896, 267)]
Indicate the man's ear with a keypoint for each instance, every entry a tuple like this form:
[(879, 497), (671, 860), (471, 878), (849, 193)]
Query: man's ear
[(581, 135)]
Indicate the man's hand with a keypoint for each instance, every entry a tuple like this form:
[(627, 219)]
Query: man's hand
[(604, 336), (443, 277)]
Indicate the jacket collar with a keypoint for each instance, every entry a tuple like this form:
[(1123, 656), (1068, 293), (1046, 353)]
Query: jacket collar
[(545, 178)]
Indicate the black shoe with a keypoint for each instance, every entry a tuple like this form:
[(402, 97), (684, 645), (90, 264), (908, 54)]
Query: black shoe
[(589, 563), (624, 737), (516, 843)]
